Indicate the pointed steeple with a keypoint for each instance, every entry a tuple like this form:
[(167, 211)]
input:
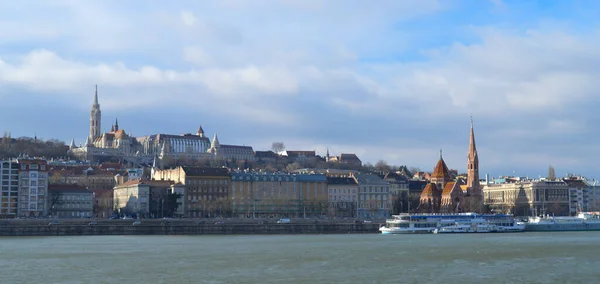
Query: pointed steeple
[(72, 145), (473, 185), (87, 141), (200, 131), (96, 96), (116, 125), (215, 142), (95, 118), (472, 147)]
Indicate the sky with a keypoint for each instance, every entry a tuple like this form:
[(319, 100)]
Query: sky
[(388, 80)]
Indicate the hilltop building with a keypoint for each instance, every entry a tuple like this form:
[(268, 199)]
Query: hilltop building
[(117, 145)]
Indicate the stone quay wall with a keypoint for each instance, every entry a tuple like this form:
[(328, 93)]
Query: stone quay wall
[(178, 227)]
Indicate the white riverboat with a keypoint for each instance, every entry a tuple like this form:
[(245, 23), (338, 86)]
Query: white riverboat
[(585, 221), (480, 225), (428, 223)]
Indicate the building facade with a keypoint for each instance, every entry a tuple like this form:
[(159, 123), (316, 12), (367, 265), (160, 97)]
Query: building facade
[(343, 197), (70, 201), (9, 193), (206, 190), (148, 198), (374, 196), (33, 188), (399, 191), (267, 195), (525, 197)]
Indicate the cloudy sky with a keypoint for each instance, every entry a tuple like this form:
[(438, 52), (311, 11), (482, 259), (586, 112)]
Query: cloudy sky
[(393, 80)]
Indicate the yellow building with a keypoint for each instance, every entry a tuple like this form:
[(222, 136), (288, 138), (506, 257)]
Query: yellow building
[(263, 195), (206, 190)]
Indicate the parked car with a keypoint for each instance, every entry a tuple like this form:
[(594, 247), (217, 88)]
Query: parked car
[(284, 221), (93, 223), (53, 223), (127, 218), (219, 223), (137, 223)]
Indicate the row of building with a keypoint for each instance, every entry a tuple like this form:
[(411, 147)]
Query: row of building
[(39, 188), (26, 192), (525, 197), (169, 149)]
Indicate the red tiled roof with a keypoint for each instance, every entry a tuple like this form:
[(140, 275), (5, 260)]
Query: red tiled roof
[(430, 190), (448, 188), (441, 170)]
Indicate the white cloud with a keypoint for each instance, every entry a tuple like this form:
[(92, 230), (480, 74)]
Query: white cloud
[(312, 64), (188, 18)]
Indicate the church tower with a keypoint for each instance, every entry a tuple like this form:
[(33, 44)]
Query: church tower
[(473, 186), (95, 117)]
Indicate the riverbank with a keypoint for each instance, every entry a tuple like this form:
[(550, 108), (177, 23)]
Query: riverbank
[(46, 227)]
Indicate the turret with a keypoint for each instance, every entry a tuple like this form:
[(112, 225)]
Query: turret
[(200, 131)]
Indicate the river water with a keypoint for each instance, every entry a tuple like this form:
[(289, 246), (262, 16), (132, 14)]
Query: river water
[(562, 257)]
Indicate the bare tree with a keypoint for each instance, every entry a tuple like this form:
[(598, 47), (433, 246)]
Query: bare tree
[(54, 201), (382, 166), (551, 173), (278, 147), (414, 170)]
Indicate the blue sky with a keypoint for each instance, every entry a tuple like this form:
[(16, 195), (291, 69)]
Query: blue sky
[(392, 80)]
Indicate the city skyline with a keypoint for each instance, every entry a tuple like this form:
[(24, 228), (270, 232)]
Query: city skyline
[(394, 82)]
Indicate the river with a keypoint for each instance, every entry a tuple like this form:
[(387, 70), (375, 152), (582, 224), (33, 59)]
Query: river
[(561, 257)]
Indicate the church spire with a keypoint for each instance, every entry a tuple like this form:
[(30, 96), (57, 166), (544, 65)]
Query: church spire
[(96, 96), (116, 125), (473, 166), (72, 145), (95, 118)]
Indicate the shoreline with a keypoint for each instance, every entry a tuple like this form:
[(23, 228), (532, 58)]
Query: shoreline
[(48, 227)]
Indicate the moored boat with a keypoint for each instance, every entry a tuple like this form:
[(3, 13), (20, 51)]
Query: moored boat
[(428, 223), (480, 226), (585, 221)]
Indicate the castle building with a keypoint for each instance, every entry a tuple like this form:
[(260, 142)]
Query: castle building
[(445, 194), (98, 146), (118, 145), (175, 147)]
